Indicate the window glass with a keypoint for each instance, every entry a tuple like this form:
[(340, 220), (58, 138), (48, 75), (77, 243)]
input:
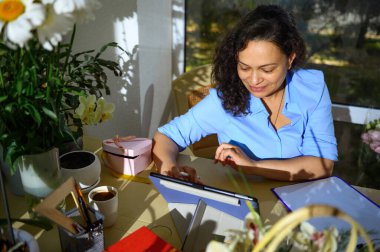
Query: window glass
[(343, 40)]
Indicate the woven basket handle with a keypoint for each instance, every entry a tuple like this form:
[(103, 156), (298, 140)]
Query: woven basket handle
[(284, 226)]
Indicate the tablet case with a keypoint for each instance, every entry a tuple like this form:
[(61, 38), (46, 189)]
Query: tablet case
[(207, 224), (176, 196)]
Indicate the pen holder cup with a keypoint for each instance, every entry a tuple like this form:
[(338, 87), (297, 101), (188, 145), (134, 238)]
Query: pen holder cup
[(85, 240)]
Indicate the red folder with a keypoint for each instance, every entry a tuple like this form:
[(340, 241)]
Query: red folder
[(142, 240)]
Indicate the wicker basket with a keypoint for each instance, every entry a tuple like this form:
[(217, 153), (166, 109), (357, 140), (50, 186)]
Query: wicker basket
[(284, 226), (271, 241)]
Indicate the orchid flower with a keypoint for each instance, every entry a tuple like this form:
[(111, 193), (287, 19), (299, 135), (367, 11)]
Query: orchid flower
[(91, 112)]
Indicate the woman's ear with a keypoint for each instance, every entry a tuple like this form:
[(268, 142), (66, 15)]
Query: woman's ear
[(291, 59)]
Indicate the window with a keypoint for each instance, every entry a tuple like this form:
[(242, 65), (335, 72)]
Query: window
[(343, 40)]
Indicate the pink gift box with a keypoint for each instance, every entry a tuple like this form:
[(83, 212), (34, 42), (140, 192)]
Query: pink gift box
[(132, 158)]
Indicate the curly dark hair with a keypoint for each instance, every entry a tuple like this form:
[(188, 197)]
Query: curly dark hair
[(266, 22)]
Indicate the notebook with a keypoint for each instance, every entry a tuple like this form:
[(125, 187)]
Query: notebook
[(335, 192), (141, 240)]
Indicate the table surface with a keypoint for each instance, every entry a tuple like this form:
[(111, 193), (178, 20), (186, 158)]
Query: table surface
[(141, 205)]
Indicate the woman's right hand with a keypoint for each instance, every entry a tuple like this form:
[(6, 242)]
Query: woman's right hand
[(165, 153), (182, 172)]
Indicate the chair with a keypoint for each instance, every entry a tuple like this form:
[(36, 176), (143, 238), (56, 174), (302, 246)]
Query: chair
[(189, 88)]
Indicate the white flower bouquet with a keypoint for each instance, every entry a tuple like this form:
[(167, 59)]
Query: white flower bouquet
[(294, 233)]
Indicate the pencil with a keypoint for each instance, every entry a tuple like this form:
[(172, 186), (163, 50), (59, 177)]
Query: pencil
[(83, 207)]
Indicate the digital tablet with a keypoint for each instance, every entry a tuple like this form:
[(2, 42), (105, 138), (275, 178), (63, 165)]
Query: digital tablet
[(180, 191)]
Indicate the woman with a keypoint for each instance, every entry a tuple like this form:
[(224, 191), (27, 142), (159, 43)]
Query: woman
[(272, 118)]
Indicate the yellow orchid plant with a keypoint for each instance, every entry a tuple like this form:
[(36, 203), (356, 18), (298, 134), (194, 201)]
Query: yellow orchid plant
[(47, 92), (92, 112)]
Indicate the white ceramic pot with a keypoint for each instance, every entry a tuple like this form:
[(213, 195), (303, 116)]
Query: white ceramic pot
[(40, 173), (22, 235), (84, 166)]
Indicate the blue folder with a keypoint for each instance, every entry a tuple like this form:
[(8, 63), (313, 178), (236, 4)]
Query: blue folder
[(332, 191), (191, 193)]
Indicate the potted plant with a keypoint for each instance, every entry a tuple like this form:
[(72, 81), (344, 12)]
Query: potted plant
[(47, 92), (369, 154)]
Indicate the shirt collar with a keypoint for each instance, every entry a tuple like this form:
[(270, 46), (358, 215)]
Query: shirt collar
[(256, 105), (288, 97), (290, 102)]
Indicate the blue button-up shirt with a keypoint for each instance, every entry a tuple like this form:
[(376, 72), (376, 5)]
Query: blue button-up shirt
[(306, 103)]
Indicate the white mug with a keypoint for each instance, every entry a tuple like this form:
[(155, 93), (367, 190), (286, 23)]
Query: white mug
[(105, 200)]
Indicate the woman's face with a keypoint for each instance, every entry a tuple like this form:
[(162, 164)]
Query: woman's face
[(262, 68)]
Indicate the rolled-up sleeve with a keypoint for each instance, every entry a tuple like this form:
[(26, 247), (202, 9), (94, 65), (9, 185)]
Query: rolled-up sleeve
[(205, 118), (319, 138)]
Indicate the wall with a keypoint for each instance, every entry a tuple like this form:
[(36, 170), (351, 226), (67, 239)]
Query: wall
[(143, 95)]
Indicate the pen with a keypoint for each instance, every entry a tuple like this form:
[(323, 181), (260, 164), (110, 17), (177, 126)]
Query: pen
[(83, 207), (243, 196), (227, 193)]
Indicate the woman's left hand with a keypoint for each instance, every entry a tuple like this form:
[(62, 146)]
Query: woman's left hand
[(232, 155)]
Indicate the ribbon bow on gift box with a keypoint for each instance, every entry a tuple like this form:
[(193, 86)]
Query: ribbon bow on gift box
[(116, 140)]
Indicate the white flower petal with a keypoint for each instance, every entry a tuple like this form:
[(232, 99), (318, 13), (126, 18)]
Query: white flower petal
[(55, 26), (83, 15), (35, 14), (80, 111), (45, 2), (82, 99), (91, 99), (64, 6), (19, 32), (109, 108), (307, 228), (70, 6), (214, 246)]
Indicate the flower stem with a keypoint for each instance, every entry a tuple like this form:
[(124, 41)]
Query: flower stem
[(6, 209), (69, 50)]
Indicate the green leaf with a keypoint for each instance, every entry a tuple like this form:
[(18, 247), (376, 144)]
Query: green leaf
[(39, 96), (3, 98), (9, 107), (19, 87), (50, 113), (104, 47), (33, 113)]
